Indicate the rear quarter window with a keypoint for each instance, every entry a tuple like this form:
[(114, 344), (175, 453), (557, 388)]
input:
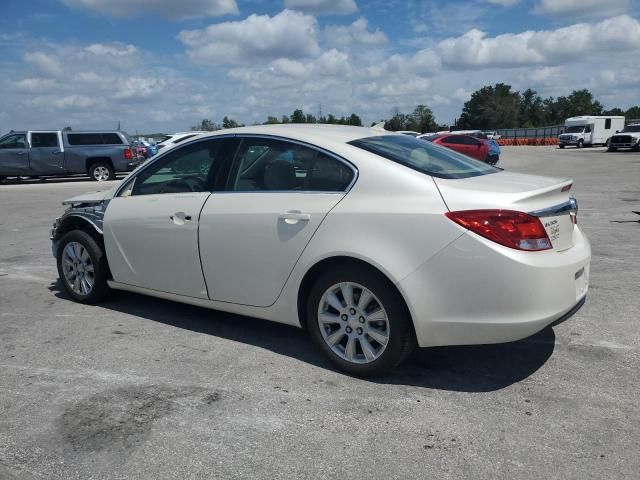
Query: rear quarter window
[(424, 156)]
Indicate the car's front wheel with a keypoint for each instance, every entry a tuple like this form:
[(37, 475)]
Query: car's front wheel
[(360, 321), (82, 267)]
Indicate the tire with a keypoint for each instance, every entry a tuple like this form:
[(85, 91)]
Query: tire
[(79, 245), (636, 148), (561, 146), (395, 330), (580, 144), (101, 172), (612, 149)]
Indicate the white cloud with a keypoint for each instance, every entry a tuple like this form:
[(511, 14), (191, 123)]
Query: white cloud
[(288, 34), (357, 32), (45, 63), (582, 8), (111, 50), (323, 7), (504, 3), (139, 88), (172, 9), (34, 85), (475, 49), (74, 102)]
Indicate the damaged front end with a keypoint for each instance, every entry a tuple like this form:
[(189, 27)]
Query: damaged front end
[(85, 212)]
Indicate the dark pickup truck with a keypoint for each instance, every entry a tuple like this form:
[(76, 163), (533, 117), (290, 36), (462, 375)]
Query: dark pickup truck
[(99, 154)]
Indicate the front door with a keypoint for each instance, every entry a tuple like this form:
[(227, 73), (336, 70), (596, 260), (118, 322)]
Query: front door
[(14, 155), (46, 156), (252, 235), (151, 227)]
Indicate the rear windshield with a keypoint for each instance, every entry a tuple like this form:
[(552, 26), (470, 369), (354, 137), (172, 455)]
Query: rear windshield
[(87, 138), (424, 156)]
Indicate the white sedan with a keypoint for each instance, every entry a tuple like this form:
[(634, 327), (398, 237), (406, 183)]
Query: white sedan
[(372, 241)]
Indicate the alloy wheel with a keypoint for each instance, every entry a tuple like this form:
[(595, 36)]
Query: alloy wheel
[(353, 322), (78, 268), (101, 173)]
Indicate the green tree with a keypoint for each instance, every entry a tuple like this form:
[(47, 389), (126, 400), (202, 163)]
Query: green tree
[(615, 111), (354, 120), (67, 129), (491, 107), (298, 116), (206, 125), (532, 110), (271, 120), (633, 113), (229, 123), (579, 102), (285, 119), (421, 120), (310, 118)]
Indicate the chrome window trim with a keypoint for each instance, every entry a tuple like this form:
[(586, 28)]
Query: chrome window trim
[(569, 207), (240, 136)]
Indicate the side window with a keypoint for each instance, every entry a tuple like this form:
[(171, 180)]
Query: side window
[(587, 129), (44, 139), (84, 139), (193, 168), (453, 140), (607, 124), (14, 141), (275, 165), (467, 140), (111, 139)]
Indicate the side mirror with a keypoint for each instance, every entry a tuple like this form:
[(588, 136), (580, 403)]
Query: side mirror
[(617, 131)]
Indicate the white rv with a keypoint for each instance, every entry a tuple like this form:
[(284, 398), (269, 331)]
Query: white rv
[(586, 131)]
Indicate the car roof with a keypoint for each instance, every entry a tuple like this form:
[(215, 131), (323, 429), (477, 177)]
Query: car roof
[(306, 132)]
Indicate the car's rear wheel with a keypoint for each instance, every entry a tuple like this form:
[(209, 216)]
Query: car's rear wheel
[(82, 267), (360, 321), (101, 172)]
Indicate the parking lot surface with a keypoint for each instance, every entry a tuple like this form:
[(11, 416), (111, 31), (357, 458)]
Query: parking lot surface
[(144, 388)]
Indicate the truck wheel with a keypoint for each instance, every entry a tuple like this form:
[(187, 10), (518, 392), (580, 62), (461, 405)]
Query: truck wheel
[(561, 146), (580, 143), (612, 149), (636, 148), (101, 172)]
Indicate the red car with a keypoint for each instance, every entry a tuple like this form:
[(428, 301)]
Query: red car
[(465, 144)]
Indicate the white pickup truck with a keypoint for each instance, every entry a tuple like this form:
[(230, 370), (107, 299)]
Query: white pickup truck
[(99, 154)]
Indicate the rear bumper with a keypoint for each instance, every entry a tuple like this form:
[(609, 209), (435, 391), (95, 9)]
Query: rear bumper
[(478, 292)]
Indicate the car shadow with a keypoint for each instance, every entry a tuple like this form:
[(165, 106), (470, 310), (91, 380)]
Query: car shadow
[(476, 368)]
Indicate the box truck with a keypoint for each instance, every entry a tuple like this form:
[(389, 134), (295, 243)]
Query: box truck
[(586, 131)]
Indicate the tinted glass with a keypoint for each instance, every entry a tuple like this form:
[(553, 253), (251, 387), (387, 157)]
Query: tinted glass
[(192, 168), (84, 139), (14, 141), (111, 139), (575, 129), (607, 124), (453, 140), (632, 128), (424, 157), (266, 164), (44, 139)]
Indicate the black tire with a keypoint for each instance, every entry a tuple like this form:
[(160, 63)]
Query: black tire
[(580, 144), (612, 149), (636, 148), (561, 146), (401, 340), (98, 260), (97, 172)]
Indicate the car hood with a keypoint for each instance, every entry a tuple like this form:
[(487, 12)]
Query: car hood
[(91, 197)]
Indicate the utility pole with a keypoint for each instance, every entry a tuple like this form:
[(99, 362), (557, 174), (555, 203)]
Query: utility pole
[(319, 113)]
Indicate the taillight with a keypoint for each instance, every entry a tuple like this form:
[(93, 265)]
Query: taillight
[(517, 230), (128, 154)]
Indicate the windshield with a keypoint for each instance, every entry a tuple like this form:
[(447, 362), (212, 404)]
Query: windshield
[(632, 128), (424, 156), (576, 129)]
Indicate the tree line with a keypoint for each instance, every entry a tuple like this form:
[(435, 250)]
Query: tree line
[(489, 108)]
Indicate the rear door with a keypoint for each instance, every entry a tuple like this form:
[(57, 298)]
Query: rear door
[(14, 155), (151, 226), (252, 234), (46, 155)]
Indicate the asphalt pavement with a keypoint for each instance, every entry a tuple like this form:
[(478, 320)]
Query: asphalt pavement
[(142, 388)]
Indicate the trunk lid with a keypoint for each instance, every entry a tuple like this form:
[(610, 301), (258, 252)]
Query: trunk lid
[(545, 197)]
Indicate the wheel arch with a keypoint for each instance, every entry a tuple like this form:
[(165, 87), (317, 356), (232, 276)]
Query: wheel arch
[(76, 222), (326, 264), (93, 160)]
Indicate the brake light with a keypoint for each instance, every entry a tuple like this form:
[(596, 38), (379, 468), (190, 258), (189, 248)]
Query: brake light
[(128, 154), (512, 229)]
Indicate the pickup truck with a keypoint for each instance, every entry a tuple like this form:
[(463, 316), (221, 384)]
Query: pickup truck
[(99, 154)]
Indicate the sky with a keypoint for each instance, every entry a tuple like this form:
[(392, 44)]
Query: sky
[(164, 65)]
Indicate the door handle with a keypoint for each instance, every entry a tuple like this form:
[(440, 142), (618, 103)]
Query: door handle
[(179, 218), (294, 216)]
